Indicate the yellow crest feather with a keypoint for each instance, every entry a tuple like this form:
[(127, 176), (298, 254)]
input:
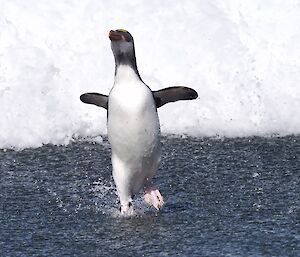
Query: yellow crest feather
[(122, 30)]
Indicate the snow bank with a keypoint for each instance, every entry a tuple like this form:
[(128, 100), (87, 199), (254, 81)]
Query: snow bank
[(242, 57)]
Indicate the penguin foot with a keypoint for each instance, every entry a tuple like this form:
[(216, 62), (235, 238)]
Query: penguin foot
[(153, 197), (126, 209)]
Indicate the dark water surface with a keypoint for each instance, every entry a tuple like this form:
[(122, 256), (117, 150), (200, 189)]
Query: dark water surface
[(229, 197)]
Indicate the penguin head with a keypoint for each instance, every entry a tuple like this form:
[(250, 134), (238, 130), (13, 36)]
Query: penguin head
[(120, 35), (122, 46)]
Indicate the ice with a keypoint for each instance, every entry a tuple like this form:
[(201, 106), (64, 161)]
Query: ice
[(242, 57)]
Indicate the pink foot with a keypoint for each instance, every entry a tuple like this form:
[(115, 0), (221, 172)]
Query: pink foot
[(153, 197)]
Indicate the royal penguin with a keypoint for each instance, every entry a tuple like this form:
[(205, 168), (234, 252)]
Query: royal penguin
[(133, 125)]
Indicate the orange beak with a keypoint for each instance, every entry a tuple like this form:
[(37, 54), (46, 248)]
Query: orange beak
[(115, 35)]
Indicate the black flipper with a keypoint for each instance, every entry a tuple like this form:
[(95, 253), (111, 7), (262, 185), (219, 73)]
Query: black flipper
[(173, 94), (96, 99)]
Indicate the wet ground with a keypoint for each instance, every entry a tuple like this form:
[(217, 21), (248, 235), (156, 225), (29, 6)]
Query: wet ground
[(224, 197)]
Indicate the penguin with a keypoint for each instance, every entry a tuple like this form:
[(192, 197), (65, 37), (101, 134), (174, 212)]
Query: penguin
[(133, 125)]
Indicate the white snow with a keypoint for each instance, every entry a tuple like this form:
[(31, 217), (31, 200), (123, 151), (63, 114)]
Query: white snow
[(243, 58)]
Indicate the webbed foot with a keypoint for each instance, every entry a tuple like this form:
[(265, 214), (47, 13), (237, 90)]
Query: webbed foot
[(153, 197), (126, 209)]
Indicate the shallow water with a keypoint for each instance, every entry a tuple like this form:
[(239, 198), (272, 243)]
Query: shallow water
[(224, 197)]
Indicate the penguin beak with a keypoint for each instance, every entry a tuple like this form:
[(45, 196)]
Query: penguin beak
[(115, 36)]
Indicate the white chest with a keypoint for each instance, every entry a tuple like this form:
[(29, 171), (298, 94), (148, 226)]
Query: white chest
[(133, 125)]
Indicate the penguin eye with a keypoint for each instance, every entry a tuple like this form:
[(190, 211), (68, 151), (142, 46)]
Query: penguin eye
[(128, 37)]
